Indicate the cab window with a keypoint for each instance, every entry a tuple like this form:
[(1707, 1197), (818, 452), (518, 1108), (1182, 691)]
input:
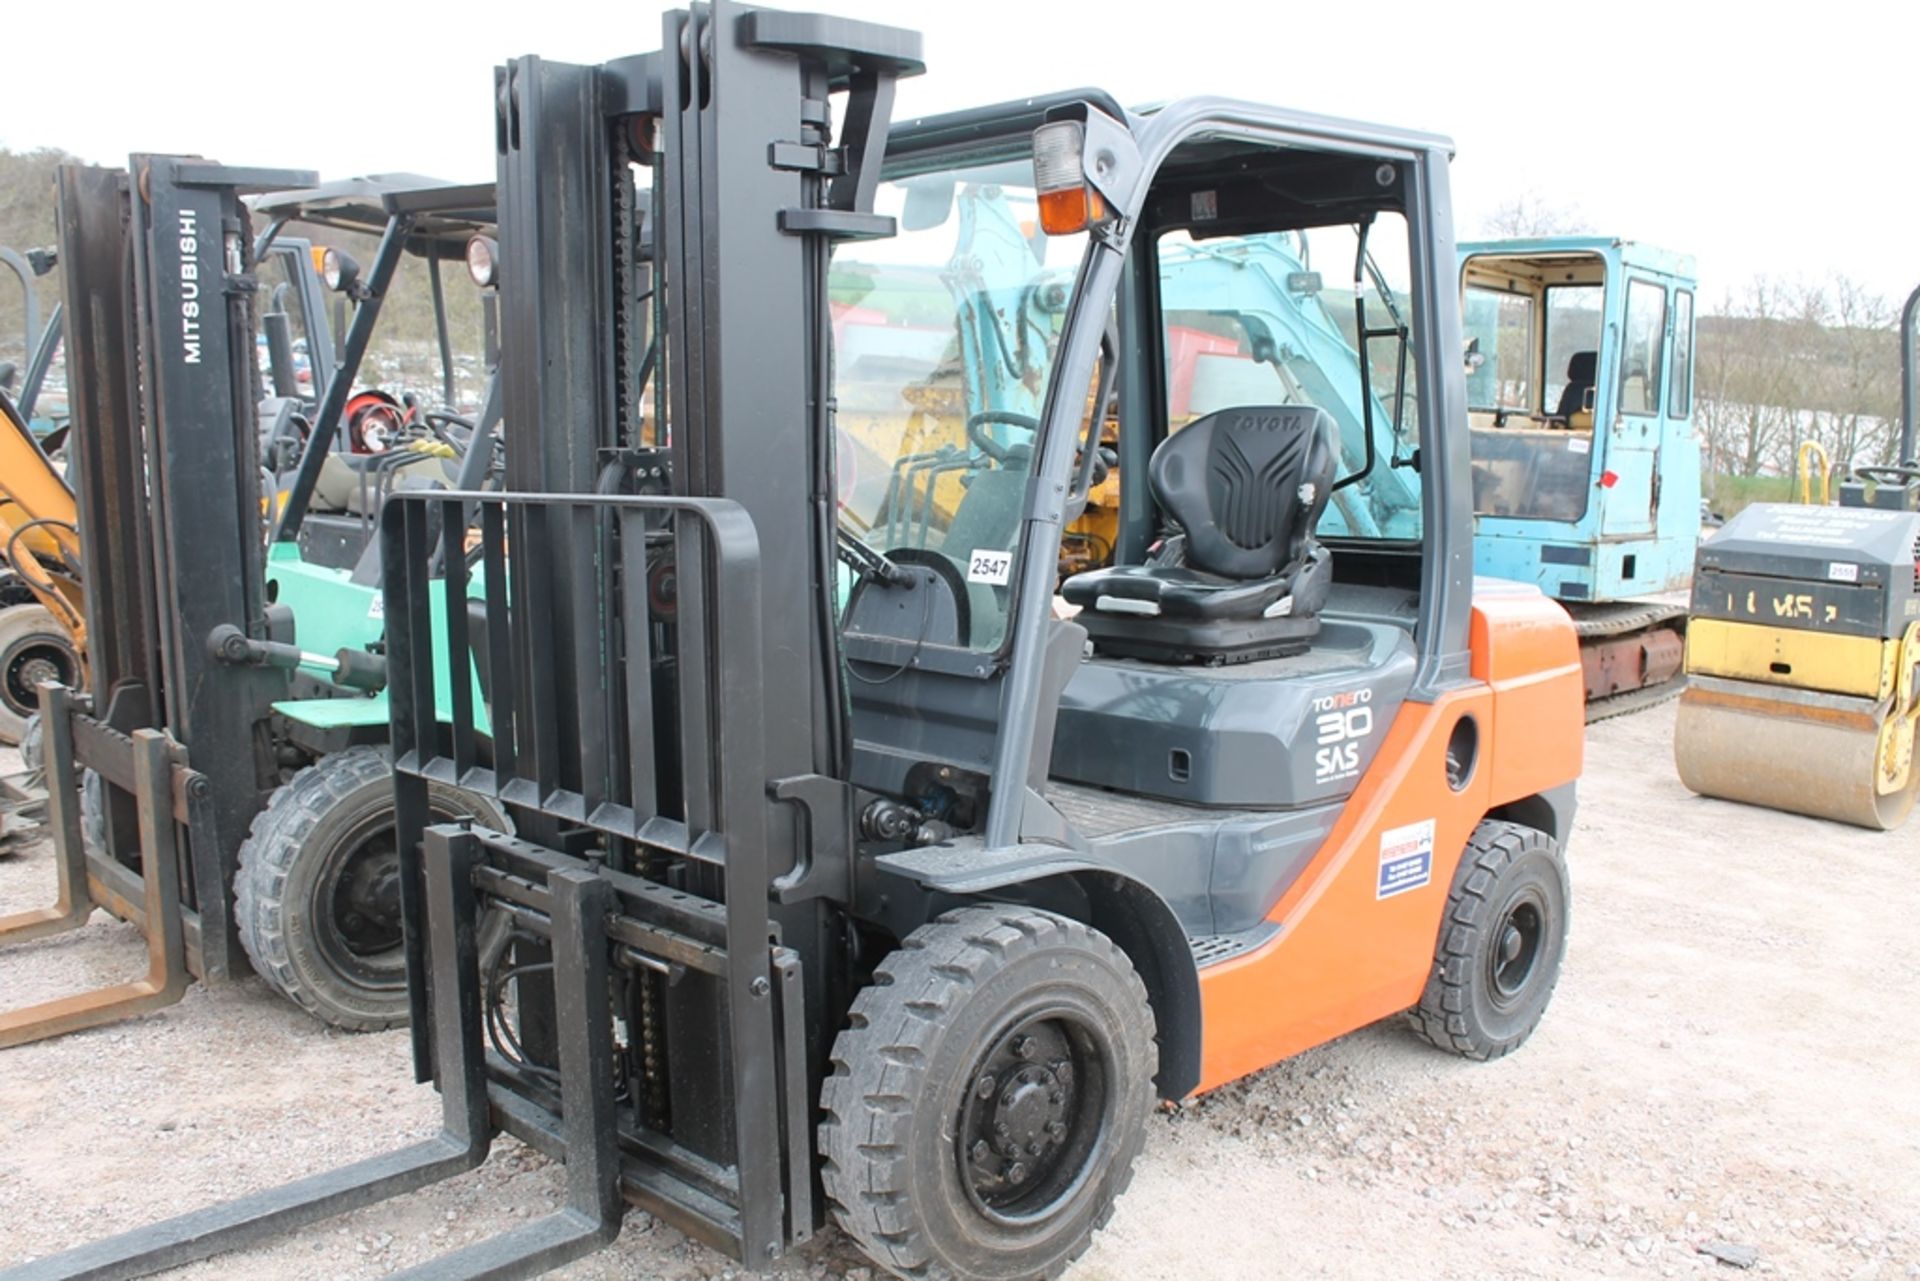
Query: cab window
[(1572, 340), (1499, 333), (1272, 318), (1681, 402), (1640, 353)]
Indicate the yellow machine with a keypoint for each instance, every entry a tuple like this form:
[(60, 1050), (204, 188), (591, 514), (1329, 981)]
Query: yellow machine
[(1803, 663), (43, 636), (1803, 646)]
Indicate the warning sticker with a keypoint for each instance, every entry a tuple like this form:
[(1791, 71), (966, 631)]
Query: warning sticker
[(1406, 859), (1579, 445), (1841, 572), (377, 607)]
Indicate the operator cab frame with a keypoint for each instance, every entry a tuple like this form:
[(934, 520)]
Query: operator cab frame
[(940, 721)]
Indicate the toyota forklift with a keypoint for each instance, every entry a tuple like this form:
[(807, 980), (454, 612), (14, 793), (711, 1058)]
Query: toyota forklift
[(845, 878)]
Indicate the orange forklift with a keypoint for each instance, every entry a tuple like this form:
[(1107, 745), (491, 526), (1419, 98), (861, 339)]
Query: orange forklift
[(844, 876)]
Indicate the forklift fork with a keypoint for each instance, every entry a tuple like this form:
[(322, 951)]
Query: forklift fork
[(590, 1215), (163, 789)]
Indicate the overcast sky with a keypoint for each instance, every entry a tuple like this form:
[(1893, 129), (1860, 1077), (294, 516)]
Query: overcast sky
[(1766, 138)]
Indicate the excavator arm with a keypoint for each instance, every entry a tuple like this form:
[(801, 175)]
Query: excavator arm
[(38, 538)]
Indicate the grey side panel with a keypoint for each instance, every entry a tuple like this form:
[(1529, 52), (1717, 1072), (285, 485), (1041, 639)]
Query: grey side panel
[(1849, 570), (1220, 871), (1279, 734)]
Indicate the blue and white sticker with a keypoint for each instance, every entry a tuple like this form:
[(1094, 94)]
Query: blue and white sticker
[(1406, 859)]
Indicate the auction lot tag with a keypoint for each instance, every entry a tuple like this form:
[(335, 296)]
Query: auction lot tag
[(990, 567), (1406, 859)]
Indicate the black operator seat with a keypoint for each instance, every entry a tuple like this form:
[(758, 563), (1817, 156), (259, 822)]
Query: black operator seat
[(1244, 579), (1581, 369)]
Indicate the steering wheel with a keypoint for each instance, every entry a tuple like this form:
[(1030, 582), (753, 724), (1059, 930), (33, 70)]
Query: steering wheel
[(438, 420), (987, 444), (1890, 475)]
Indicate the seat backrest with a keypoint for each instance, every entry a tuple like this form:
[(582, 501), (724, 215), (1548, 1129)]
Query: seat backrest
[(1247, 485), (1582, 367)]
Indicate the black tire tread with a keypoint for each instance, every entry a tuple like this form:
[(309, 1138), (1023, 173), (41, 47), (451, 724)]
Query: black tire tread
[(1440, 1018), (866, 1116), (278, 834)]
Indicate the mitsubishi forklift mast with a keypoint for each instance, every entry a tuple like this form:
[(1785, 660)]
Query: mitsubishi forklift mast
[(161, 358)]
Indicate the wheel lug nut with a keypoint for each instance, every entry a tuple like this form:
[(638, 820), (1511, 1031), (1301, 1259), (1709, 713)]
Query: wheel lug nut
[(984, 1087), (1024, 1047), (1033, 1149), (1063, 1072), (1017, 1172), (1056, 1128), (1056, 1098), (980, 1151), (1000, 1129)]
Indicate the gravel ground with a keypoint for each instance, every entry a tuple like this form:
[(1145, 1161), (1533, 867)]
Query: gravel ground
[(1730, 1057)]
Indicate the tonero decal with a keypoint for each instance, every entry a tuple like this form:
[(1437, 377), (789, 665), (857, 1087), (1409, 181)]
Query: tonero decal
[(1341, 723), (1406, 859), (189, 287)]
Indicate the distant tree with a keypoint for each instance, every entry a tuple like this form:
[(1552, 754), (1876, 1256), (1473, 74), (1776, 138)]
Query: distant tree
[(27, 221), (1531, 214), (1784, 363)]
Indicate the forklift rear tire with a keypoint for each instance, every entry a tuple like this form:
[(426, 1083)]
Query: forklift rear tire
[(316, 898), (988, 1100), (1501, 943), (34, 647)]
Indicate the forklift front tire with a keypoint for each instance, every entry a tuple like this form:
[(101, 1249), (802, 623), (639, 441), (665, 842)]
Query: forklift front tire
[(988, 1100), (1501, 942), (316, 898)]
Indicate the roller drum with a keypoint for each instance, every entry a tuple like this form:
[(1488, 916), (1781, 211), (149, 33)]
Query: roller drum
[(1790, 750)]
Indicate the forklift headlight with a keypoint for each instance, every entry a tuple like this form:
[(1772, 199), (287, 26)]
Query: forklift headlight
[(338, 270), (483, 261), (1067, 203)]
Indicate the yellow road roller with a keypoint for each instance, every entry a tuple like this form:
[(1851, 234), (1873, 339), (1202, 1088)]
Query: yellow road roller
[(1803, 662)]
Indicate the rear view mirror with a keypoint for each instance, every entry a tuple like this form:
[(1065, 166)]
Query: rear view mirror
[(929, 204)]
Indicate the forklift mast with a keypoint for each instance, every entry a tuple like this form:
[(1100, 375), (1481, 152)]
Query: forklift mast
[(634, 696), (162, 364)]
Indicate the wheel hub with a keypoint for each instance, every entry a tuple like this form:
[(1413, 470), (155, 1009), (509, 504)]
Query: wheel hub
[(1516, 948), (366, 900), (32, 663), (1017, 1142)]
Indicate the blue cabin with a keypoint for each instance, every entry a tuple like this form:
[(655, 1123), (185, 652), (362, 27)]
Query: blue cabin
[(1586, 472)]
